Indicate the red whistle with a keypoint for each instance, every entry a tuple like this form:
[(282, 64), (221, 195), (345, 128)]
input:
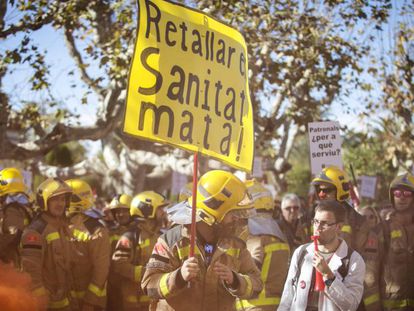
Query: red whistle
[(319, 283)]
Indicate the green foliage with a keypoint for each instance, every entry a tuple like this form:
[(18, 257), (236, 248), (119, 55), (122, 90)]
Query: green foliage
[(299, 177), (366, 155), (65, 155), (303, 55)]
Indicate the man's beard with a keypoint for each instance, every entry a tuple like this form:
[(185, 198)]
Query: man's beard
[(324, 241), (225, 231)]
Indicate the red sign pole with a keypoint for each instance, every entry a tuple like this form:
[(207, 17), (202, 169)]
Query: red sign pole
[(193, 205)]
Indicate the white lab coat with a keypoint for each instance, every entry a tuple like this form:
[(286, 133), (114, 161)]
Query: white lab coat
[(343, 294)]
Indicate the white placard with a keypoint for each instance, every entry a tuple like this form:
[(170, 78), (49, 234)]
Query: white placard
[(324, 145), (258, 167), (368, 186), (178, 182)]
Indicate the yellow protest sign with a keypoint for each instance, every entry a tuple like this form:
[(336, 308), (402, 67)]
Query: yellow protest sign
[(188, 84)]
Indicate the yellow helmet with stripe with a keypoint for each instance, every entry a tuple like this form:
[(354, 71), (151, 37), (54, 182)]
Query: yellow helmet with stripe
[(11, 181), (336, 177), (50, 188), (122, 201), (82, 196), (261, 196), (219, 192), (145, 204)]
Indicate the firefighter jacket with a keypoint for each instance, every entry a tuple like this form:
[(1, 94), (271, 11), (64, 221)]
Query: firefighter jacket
[(373, 255), (354, 229), (115, 234), (296, 234), (92, 260), (131, 255), (47, 255), (397, 283), (163, 281), (114, 296), (343, 294), (15, 216), (270, 251)]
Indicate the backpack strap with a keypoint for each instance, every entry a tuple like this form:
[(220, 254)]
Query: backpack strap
[(343, 269), (301, 258)]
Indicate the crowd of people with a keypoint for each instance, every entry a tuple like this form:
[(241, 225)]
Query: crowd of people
[(249, 253)]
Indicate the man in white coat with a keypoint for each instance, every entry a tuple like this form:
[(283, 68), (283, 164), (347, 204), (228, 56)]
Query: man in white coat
[(342, 268)]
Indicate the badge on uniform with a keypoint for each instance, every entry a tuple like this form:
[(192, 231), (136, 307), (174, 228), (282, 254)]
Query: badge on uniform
[(208, 250), (31, 238), (302, 284)]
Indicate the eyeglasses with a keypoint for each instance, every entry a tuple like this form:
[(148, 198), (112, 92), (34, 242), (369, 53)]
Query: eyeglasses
[(292, 208), (325, 190), (402, 193), (322, 224)]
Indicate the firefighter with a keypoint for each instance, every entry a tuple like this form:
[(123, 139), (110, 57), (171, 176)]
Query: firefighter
[(91, 241), (46, 249), (15, 214), (222, 268), (120, 211), (394, 250), (373, 254), (133, 250), (269, 248), (332, 183)]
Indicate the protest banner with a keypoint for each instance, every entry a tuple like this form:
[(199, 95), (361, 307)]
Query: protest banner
[(368, 186), (188, 87), (324, 145), (188, 84)]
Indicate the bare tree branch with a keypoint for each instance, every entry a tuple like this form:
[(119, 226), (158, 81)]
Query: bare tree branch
[(74, 52), (33, 25)]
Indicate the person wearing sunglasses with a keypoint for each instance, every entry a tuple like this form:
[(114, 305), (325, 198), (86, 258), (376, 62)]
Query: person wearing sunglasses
[(341, 267), (398, 290), (332, 183), (296, 232)]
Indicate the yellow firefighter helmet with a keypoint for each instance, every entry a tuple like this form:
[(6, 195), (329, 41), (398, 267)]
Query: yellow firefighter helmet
[(336, 177), (261, 196), (82, 196), (145, 204), (11, 181), (50, 188), (121, 201), (219, 192)]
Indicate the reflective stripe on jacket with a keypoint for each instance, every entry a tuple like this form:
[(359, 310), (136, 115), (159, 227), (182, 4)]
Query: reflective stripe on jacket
[(132, 253), (271, 255), (47, 255), (161, 280), (92, 260), (398, 289)]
